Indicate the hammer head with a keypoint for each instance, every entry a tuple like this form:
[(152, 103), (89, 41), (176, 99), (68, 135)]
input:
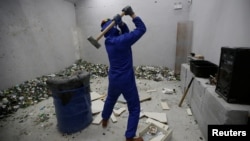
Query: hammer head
[(94, 42)]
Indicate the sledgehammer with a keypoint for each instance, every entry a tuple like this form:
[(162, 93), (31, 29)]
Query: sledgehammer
[(94, 41)]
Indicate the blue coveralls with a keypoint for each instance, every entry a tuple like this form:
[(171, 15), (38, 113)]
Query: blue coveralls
[(121, 72)]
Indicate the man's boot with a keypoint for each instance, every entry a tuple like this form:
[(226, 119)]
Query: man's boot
[(104, 123), (135, 139)]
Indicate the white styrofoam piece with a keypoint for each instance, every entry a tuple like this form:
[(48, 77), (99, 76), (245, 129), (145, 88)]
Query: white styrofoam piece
[(164, 105), (97, 106), (142, 97), (113, 118), (95, 96), (150, 91), (98, 119), (162, 117), (142, 114), (167, 134), (189, 112), (167, 91), (157, 123), (158, 138), (119, 111)]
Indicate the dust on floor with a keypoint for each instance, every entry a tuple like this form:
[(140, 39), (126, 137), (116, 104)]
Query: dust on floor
[(38, 122)]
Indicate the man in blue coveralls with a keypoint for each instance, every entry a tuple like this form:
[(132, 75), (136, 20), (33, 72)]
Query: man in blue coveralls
[(121, 73)]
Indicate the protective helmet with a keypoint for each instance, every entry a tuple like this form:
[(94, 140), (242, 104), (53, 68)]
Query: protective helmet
[(113, 31), (104, 22)]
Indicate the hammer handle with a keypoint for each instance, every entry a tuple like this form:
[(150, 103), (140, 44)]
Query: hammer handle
[(107, 28), (185, 93)]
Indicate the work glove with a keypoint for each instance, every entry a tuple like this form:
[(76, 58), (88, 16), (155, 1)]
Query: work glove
[(118, 19), (128, 10)]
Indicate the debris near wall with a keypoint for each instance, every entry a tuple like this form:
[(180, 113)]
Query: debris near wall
[(33, 91), (20, 96), (95, 69), (155, 73)]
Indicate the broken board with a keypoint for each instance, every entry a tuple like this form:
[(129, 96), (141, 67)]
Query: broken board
[(119, 111), (164, 105), (189, 112), (183, 44), (95, 96), (157, 123), (161, 117), (98, 119), (160, 135), (142, 97), (97, 106), (113, 118)]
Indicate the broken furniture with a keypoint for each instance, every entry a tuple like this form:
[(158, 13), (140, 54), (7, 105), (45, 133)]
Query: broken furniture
[(71, 97), (207, 106)]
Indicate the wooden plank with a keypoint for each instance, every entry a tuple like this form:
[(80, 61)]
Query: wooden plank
[(183, 43), (143, 97)]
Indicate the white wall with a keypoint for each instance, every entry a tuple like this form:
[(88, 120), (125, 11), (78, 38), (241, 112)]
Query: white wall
[(39, 37), (36, 38), (219, 23), (156, 47)]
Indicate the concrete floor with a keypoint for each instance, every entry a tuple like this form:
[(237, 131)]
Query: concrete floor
[(25, 126)]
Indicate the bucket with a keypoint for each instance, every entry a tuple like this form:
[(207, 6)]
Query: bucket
[(71, 97)]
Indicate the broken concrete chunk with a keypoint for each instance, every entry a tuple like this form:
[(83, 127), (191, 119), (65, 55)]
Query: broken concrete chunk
[(97, 106), (150, 91), (157, 123), (98, 119), (152, 130), (160, 135), (113, 118), (189, 112), (158, 138), (95, 96), (142, 114), (168, 91), (164, 105), (161, 117), (143, 97), (119, 111)]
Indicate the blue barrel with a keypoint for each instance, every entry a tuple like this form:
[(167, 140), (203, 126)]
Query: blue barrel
[(72, 102)]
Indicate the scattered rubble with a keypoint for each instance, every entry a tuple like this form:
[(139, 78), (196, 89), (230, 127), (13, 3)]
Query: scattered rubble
[(168, 91), (33, 91)]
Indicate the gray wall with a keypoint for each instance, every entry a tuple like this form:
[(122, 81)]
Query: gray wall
[(37, 37), (156, 47), (216, 24), (219, 23)]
